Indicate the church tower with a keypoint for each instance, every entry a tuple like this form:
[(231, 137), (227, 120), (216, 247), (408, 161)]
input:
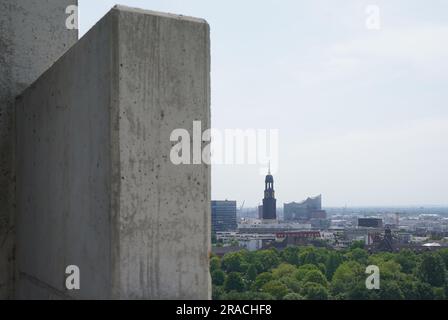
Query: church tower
[(269, 201)]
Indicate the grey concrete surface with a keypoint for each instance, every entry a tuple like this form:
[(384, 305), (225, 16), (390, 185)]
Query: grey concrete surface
[(95, 184), (32, 36)]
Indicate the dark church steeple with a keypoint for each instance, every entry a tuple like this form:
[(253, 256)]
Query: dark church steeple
[(269, 201)]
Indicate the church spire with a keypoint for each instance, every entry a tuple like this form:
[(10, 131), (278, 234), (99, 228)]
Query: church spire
[(269, 201)]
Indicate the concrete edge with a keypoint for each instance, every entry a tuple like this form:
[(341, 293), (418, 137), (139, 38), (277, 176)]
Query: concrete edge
[(159, 14), (114, 10), (114, 152)]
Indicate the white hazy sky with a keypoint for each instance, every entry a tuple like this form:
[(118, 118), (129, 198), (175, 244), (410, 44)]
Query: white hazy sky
[(362, 114)]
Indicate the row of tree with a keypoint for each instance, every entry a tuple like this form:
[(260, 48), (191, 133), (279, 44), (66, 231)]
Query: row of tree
[(298, 273)]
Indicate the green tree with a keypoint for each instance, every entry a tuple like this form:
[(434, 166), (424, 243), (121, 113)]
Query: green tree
[(301, 272), (234, 282), (439, 293), (267, 259), (432, 270), (391, 270), (251, 273), (233, 262), (291, 255), (308, 256), (357, 254), (444, 254), (378, 258), (276, 288), (261, 296), (407, 260), (282, 270), (315, 291), (217, 292), (293, 296), (215, 264), (322, 268), (358, 244), (360, 292), (261, 280), (424, 291), (315, 277), (409, 287), (347, 276), (218, 277), (323, 273), (235, 295), (292, 283), (334, 259), (390, 290)]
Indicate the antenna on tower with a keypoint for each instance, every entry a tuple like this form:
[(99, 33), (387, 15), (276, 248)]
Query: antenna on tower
[(269, 172)]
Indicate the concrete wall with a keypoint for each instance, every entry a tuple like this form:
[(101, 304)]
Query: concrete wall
[(95, 185), (33, 35), (164, 209)]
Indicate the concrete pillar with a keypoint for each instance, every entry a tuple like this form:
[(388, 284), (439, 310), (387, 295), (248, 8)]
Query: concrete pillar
[(95, 185), (33, 35)]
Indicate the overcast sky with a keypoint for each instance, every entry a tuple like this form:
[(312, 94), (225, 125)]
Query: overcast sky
[(362, 114)]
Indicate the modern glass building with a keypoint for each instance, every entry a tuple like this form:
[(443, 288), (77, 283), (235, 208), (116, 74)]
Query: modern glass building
[(305, 210), (224, 216)]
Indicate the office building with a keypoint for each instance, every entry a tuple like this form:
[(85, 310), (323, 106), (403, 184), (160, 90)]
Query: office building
[(223, 216)]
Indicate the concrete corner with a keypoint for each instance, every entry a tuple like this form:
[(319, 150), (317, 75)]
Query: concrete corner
[(95, 184)]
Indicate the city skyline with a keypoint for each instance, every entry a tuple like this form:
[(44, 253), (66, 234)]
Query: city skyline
[(360, 112)]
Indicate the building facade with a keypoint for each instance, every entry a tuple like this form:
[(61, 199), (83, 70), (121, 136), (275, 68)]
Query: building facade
[(308, 209), (224, 216), (370, 222)]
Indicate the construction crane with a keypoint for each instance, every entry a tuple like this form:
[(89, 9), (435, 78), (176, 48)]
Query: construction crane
[(242, 206)]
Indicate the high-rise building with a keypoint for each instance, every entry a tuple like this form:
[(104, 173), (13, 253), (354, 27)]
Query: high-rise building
[(269, 201), (224, 216)]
